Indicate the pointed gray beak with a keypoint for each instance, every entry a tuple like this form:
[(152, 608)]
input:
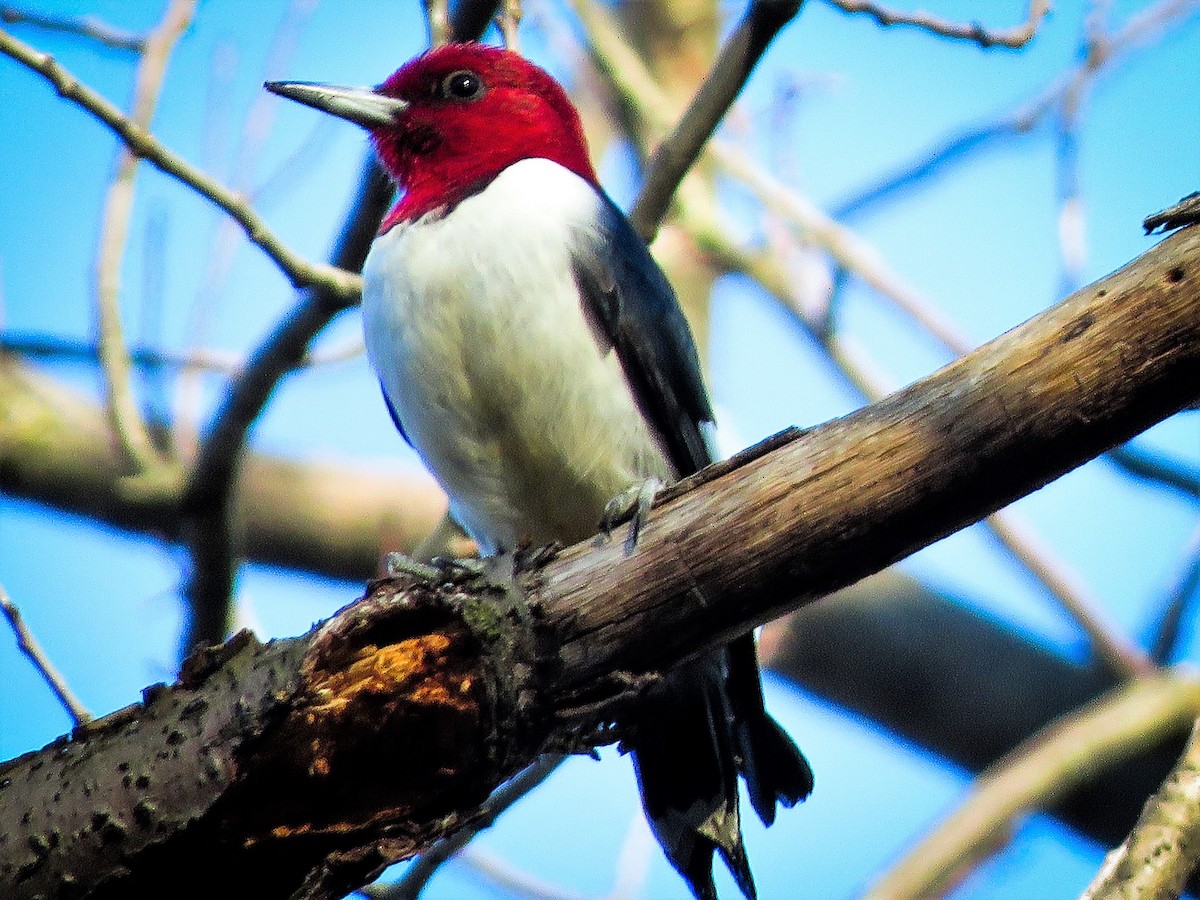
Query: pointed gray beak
[(359, 105)]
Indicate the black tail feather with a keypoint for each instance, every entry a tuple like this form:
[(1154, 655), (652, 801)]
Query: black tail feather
[(692, 735), (775, 771)]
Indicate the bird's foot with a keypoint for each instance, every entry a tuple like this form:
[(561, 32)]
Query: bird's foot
[(632, 505), (498, 573), (401, 564)]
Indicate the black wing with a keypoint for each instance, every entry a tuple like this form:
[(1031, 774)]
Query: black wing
[(705, 723), (634, 310)]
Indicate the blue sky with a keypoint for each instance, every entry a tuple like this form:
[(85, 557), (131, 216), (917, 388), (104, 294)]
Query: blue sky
[(978, 242)]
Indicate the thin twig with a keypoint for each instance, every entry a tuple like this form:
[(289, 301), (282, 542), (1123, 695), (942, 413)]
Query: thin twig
[(345, 285), (1037, 773), (679, 150), (508, 20), (28, 645), (1185, 212), (130, 428), (1011, 38), (631, 81), (1163, 471), (1072, 221), (418, 875), (507, 878), (1121, 655), (1138, 30), (1180, 597), (256, 128), (84, 26), (218, 362), (1164, 846)]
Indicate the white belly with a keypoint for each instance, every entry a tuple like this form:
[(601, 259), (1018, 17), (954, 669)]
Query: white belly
[(474, 325)]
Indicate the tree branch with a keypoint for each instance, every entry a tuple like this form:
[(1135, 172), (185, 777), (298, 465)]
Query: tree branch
[(679, 151), (270, 755), (1045, 767), (1138, 30), (331, 518), (1011, 38), (1163, 848), (85, 26), (28, 645), (344, 285), (124, 413)]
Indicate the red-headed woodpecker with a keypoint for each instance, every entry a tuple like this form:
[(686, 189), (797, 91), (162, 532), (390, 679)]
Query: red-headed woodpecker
[(534, 354)]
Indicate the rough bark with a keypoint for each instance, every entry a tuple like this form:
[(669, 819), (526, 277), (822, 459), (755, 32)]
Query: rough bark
[(302, 767)]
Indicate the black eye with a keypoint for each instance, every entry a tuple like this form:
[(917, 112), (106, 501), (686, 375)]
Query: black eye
[(463, 85)]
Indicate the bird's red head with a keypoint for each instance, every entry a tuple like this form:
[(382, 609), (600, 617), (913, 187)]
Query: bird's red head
[(452, 119)]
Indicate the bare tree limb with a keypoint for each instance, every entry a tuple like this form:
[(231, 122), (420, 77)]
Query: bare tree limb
[(344, 285), (1156, 468), (1185, 212), (417, 877), (678, 152), (1043, 768), (1111, 646), (1139, 30), (88, 27), (124, 412), (1164, 847), (637, 88), (437, 15), (469, 19), (508, 21), (1012, 38), (220, 362), (28, 645), (1180, 601), (334, 518), (269, 755)]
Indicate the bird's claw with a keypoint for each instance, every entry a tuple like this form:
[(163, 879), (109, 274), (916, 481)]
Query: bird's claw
[(632, 505), (401, 564), (499, 572), (496, 572)]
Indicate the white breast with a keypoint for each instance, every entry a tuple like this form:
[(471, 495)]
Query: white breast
[(474, 325)]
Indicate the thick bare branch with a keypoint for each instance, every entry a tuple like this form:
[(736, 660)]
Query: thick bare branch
[(325, 516), (287, 739)]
